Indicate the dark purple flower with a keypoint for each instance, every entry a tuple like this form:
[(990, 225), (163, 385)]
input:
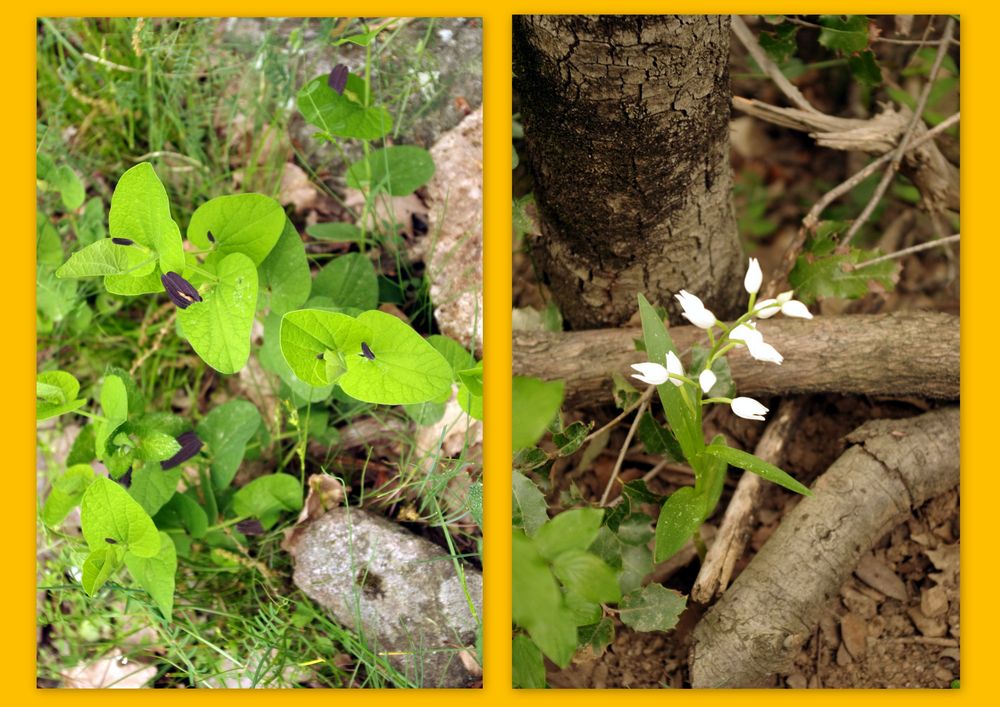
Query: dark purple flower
[(122, 241), (338, 78), (181, 292), (190, 445), (367, 352), (250, 527), (419, 225)]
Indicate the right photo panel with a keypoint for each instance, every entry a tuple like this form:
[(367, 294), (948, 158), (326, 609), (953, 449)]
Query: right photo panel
[(736, 298)]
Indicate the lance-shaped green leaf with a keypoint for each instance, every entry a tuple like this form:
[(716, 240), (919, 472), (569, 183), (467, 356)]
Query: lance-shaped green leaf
[(66, 493), (680, 517), (225, 432), (156, 574), (105, 257), (398, 170), (107, 512), (218, 328), (350, 281), (266, 497), (240, 223), (315, 343), (99, 565), (285, 281), (652, 608), (404, 368), (140, 211), (344, 115), (56, 393), (756, 465), (114, 408)]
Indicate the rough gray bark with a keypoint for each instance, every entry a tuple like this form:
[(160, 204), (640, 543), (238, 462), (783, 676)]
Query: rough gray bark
[(773, 607), (399, 591), (901, 353), (626, 122)]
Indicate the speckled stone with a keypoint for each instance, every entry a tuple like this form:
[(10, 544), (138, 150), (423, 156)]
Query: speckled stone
[(399, 591)]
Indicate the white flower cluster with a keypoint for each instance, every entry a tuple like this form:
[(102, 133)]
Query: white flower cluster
[(742, 334)]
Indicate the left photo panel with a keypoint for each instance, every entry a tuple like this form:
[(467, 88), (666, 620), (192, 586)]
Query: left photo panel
[(259, 352)]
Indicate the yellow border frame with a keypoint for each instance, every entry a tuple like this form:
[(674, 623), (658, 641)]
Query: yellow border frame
[(980, 572)]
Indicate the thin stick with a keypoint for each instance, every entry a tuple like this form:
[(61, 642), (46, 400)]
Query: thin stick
[(644, 398), (747, 39), (886, 40), (907, 251), (621, 454), (915, 119)]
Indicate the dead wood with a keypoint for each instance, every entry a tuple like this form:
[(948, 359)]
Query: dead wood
[(774, 606), (900, 353)]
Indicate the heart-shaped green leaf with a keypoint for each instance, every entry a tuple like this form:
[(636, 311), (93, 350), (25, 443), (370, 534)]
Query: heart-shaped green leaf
[(342, 115), (349, 281), (218, 328), (266, 497), (316, 343), (56, 392), (114, 406), (398, 170), (405, 368), (105, 257), (107, 512), (140, 211), (240, 223), (285, 281), (156, 574)]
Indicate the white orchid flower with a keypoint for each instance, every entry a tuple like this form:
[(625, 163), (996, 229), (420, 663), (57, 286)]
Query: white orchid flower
[(767, 308), (748, 408), (764, 352), (694, 311), (674, 367), (706, 380), (746, 334), (651, 373), (794, 308), (754, 277)]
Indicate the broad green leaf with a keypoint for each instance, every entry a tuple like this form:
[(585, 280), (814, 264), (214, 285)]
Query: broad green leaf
[(182, 511), (131, 285), (136, 400), (471, 404), (637, 563), (315, 344), (285, 280), (342, 115), (713, 478), (107, 511), (598, 636), (682, 420), (266, 497), (584, 611), (679, 519), (406, 369), (48, 245), (156, 574), (571, 439), (70, 187), (472, 378), (272, 360), (83, 450), (66, 493), (652, 608), (152, 487), (527, 664), (114, 408), (55, 298), (587, 575), (108, 258), (779, 43), (864, 68), (249, 224), (335, 231), (56, 392), (534, 403), (349, 281), (100, 564), (90, 226), (844, 33), (749, 462), (537, 602), (570, 530), (835, 276), (156, 447), (225, 432), (658, 439), (140, 211), (530, 509), (218, 328), (398, 170), (458, 357), (635, 529)]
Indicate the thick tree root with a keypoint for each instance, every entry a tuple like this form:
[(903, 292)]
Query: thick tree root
[(902, 353), (772, 608)]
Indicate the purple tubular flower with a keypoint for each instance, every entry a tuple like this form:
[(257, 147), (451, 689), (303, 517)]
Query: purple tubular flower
[(338, 78), (122, 241), (181, 292), (190, 445), (250, 527)]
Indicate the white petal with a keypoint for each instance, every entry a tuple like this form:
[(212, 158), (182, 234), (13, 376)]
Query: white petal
[(754, 277), (785, 296), (675, 367), (694, 311), (748, 408), (651, 373), (794, 308), (746, 334), (767, 308), (706, 380), (764, 352)]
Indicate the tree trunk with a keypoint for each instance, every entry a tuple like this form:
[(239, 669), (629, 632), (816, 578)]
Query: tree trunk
[(626, 124)]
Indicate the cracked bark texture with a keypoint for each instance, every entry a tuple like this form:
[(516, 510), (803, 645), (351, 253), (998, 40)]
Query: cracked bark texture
[(626, 123), (773, 607)]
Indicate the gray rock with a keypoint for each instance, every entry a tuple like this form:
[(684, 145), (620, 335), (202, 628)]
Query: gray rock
[(400, 592)]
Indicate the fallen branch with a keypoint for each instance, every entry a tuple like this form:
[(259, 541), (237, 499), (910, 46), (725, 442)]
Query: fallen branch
[(773, 607), (901, 353)]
